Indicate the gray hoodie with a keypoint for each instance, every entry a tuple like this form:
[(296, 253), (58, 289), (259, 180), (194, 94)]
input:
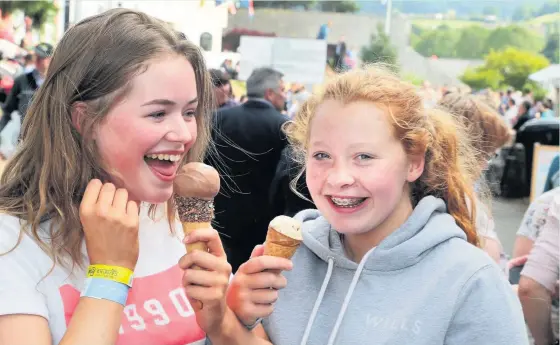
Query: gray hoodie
[(423, 285)]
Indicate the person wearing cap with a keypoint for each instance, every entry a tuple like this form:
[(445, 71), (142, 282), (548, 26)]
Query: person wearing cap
[(26, 84), (222, 89)]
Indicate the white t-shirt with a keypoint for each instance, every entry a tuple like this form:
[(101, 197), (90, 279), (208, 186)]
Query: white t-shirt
[(157, 310)]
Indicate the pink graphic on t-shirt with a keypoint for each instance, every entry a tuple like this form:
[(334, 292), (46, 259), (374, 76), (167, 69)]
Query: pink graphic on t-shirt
[(157, 311)]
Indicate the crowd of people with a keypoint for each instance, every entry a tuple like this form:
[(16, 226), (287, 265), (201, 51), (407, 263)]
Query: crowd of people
[(399, 243)]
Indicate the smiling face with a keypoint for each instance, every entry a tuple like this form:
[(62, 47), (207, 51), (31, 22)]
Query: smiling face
[(145, 136), (357, 171)]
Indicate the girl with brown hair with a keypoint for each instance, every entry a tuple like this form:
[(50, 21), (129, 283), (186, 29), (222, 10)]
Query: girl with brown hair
[(125, 103)]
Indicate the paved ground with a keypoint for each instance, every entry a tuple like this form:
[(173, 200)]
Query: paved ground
[(507, 215)]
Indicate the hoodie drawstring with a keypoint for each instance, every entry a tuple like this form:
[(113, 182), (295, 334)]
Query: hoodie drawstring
[(318, 301), (349, 296)]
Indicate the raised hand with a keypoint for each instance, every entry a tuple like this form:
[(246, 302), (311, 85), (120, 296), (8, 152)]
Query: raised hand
[(110, 222)]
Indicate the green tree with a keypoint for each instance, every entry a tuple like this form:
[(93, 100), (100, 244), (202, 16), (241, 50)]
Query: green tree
[(522, 12), (551, 48), (548, 8), (510, 67), (379, 49), (440, 42), (41, 11), (514, 36), (471, 43), (346, 6)]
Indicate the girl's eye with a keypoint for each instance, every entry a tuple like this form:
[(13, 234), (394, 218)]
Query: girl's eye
[(158, 114), (364, 157), (320, 156), (189, 113)]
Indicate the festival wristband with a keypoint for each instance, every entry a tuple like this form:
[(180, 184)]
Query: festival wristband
[(100, 288), (115, 273)]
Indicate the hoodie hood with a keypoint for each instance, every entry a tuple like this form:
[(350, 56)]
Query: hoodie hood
[(428, 226)]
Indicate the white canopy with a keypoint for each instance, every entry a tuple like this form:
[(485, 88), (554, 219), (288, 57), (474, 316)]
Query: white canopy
[(549, 76)]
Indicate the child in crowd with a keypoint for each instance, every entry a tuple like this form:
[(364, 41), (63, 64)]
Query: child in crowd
[(390, 256), (487, 133)]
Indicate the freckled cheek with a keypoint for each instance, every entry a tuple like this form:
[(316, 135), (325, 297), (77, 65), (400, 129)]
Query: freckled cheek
[(315, 178)]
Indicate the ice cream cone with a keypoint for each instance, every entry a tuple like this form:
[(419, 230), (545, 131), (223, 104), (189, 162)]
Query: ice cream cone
[(189, 227), (283, 237), (280, 245)]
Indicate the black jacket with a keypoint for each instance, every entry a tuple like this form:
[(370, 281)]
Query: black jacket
[(20, 97), (283, 199), (248, 143)]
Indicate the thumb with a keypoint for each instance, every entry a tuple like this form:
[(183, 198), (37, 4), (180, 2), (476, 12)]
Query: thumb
[(258, 251)]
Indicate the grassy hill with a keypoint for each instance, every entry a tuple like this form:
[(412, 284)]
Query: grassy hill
[(544, 20)]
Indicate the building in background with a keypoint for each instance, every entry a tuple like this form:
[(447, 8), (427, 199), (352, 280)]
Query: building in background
[(201, 21)]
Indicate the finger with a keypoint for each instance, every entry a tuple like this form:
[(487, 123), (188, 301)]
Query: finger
[(205, 261), (204, 294), (132, 208), (257, 251), (106, 195), (204, 278), (266, 280), (265, 262), (260, 310), (212, 239), (264, 296), (120, 199), (91, 193)]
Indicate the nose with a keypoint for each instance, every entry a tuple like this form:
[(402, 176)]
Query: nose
[(340, 176), (179, 131)]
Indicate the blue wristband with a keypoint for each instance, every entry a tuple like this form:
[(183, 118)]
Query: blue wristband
[(106, 289)]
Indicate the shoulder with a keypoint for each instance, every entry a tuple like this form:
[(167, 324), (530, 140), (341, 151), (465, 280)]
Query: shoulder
[(458, 255), (17, 245), (10, 232)]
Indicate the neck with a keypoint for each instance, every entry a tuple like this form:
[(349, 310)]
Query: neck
[(357, 245)]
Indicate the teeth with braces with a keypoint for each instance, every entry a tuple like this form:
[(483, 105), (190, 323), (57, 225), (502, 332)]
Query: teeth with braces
[(347, 202), (164, 157)]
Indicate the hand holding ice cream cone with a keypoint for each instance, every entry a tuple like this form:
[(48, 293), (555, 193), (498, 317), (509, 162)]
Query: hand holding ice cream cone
[(254, 288), (195, 187)]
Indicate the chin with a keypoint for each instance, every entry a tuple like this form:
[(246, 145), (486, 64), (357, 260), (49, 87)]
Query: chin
[(155, 196), (345, 227)]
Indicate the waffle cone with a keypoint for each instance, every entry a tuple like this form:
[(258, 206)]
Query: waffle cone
[(190, 227), (280, 245)]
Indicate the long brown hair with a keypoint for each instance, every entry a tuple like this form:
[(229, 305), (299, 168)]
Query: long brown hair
[(450, 162), (93, 64)]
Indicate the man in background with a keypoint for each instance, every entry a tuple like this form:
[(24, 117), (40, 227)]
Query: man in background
[(248, 143)]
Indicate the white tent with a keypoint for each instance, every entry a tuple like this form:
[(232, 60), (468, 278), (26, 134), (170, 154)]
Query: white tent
[(549, 76)]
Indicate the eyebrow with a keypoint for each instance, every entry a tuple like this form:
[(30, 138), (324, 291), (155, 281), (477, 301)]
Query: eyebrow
[(167, 102)]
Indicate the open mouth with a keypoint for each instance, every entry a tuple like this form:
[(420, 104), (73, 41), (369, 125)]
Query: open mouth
[(163, 164), (347, 202)]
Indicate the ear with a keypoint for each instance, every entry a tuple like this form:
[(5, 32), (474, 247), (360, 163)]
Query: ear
[(268, 93), (415, 167), (78, 112)]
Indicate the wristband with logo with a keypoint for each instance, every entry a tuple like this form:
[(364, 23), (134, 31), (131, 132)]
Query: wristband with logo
[(115, 273), (110, 290)]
